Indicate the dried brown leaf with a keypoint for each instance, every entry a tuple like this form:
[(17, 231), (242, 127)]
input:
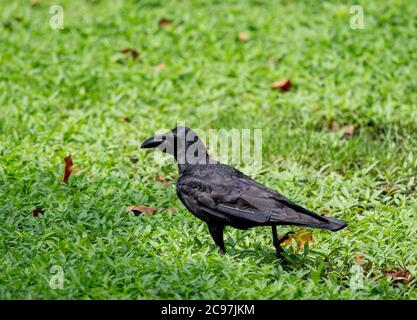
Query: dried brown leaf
[(141, 209), (164, 22), (348, 131), (161, 179), (358, 258), (398, 276), (334, 126), (130, 52), (69, 168), (301, 237), (37, 212), (283, 85), (288, 241), (305, 237), (244, 36)]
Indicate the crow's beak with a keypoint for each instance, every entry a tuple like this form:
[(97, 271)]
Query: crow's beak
[(151, 142)]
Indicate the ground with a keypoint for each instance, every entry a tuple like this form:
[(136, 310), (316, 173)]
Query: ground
[(342, 142)]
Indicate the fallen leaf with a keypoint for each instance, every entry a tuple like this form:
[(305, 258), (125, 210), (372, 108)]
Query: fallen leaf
[(160, 67), (305, 237), (283, 85), (288, 241), (130, 52), (34, 3), (244, 36), (358, 258), (161, 179), (69, 168), (141, 209), (398, 276), (301, 237), (37, 212), (164, 22), (348, 131), (125, 119), (334, 126)]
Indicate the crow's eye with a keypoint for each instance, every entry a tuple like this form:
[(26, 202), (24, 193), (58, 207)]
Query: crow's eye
[(195, 138), (163, 138)]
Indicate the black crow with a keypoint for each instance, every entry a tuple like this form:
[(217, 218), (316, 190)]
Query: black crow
[(223, 196)]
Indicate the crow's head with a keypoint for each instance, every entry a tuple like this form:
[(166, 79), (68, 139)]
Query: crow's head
[(181, 142)]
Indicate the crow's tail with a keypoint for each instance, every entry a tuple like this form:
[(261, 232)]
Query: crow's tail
[(332, 224), (293, 214)]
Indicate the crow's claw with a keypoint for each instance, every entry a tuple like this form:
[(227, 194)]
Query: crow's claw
[(285, 237)]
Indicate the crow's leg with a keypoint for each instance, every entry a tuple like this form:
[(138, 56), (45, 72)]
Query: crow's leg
[(277, 242), (216, 231)]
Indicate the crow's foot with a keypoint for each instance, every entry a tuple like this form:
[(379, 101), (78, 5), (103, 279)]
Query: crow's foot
[(285, 237), (277, 242)]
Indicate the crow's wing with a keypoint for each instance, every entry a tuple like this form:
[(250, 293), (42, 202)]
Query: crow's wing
[(220, 194), (223, 191)]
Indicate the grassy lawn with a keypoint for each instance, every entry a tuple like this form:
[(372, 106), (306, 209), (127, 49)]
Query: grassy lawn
[(71, 91)]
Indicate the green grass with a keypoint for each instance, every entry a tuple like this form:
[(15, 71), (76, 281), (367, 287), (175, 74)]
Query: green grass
[(63, 92)]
